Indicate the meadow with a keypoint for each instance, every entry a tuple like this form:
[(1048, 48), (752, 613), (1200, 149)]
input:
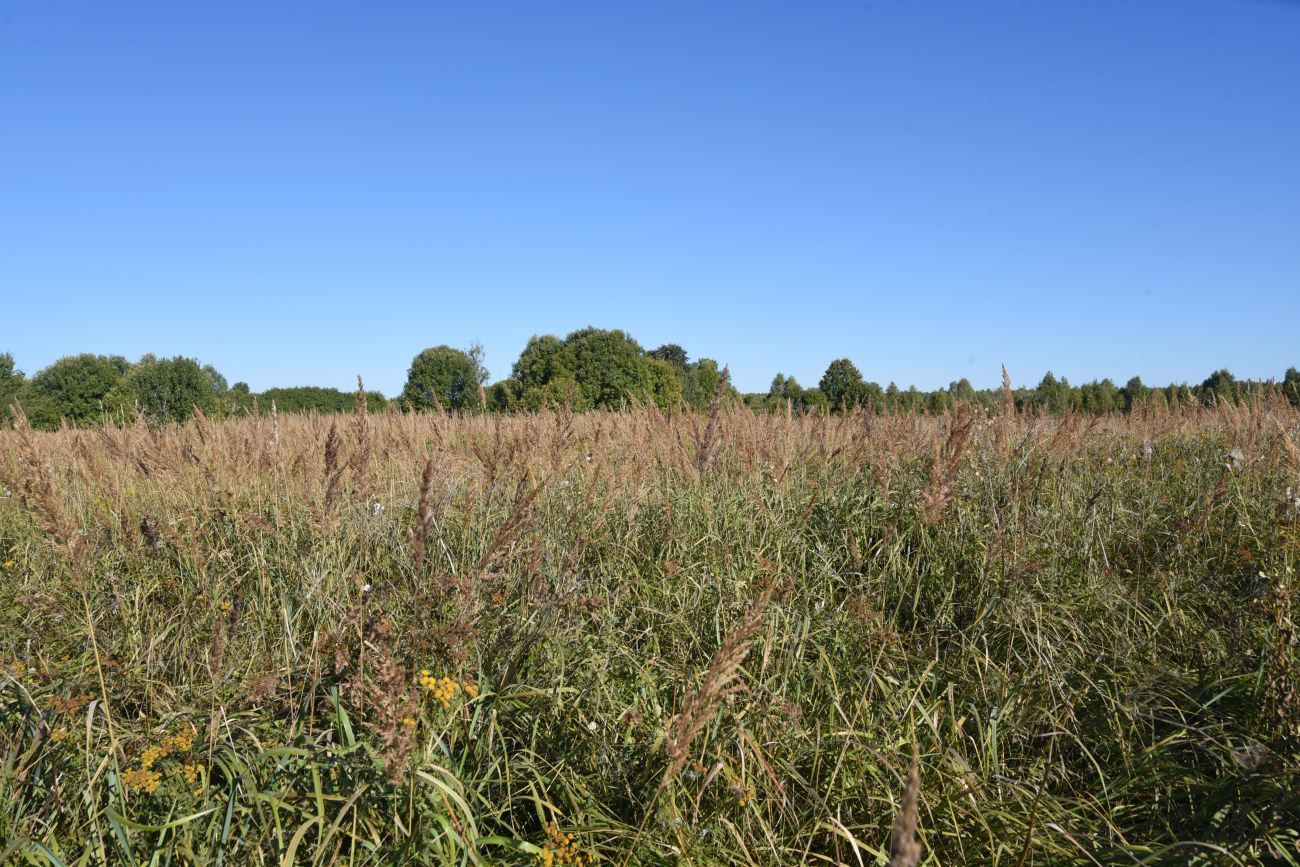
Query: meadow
[(638, 637)]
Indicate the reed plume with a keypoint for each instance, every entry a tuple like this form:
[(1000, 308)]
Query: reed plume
[(709, 442), (719, 684), (943, 468), (904, 850)]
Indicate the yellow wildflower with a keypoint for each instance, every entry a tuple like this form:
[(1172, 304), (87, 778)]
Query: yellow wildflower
[(142, 779), (444, 689), (58, 734), (9, 564), (560, 849)]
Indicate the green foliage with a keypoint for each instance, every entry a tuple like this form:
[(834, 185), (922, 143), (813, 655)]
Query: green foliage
[(609, 367), (73, 388), (12, 383), (544, 360), (1220, 385), (843, 385), (308, 399), (165, 390), (1291, 386), (504, 396), (701, 382), (672, 353), (446, 378), (594, 368), (1134, 393), (665, 384)]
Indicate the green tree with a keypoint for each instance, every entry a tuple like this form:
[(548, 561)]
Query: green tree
[(308, 398), (671, 353), (843, 385), (1291, 386), (12, 383), (446, 377), (1220, 384), (166, 389), (504, 396), (544, 359), (815, 401), (665, 384), (608, 366), (785, 391), (1134, 393), (701, 383), (962, 391), (73, 388), (1055, 394)]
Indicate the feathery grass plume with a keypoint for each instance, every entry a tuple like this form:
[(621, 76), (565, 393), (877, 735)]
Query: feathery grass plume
[(943, 468), (418, 536), (275, 434), (904, 850), (720, 682), (709, 443), (39, 494), (223, 625), (378, 686), (361, 437), (1006, 412), (333, 467), (1284, 438)]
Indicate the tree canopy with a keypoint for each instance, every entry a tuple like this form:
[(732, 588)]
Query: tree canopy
[(589, 369), (444, 378)]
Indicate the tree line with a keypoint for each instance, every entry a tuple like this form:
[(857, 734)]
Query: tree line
[(589, 369)]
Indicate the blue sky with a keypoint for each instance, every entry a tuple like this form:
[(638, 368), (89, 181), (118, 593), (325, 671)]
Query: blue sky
[(300, 192)]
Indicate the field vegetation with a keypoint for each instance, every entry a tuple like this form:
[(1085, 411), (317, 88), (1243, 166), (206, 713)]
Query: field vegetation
[(650, 637)]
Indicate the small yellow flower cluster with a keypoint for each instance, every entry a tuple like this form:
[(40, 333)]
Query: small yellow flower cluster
[(9, 564), (560, 849), (744, 794), (444, 689), (190, 774), (148, 779), (58, 734), (142, 779), (409, 722)]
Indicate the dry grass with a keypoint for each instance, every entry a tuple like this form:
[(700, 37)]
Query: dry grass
[(1080, 634)]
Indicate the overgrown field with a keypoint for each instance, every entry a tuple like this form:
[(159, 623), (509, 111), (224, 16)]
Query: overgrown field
[(639, 638)]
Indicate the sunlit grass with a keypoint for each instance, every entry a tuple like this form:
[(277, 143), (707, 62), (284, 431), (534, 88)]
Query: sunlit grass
[(639, 638)]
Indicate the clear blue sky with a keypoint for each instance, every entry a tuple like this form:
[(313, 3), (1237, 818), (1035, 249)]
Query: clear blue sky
[(300, 192)]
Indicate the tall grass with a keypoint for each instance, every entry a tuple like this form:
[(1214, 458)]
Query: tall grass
[(652, 638)]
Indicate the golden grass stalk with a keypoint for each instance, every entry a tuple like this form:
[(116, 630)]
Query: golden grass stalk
[(39, 494), (361, 437), (904, 850), (720, 682), (334, 467), (943, 469)]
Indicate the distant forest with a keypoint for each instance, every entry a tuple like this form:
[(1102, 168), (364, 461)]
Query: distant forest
[(591, 368)]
